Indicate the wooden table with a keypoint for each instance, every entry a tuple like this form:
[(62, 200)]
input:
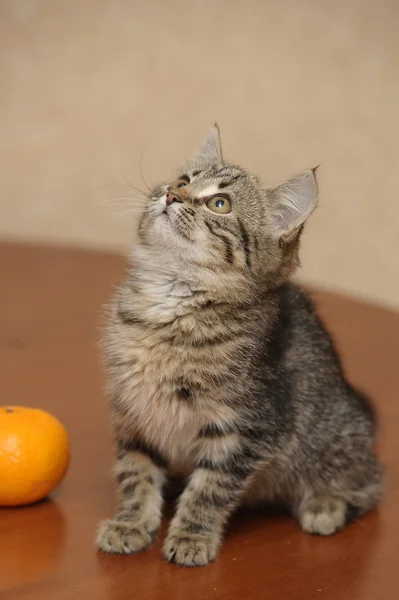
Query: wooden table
[(50, 310)]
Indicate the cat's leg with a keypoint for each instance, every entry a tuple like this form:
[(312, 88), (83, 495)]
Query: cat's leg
[(213, 491), (195, 533), (139, 474), (326, 509)]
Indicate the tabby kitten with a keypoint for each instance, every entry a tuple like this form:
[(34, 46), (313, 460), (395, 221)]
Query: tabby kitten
[(221, 371)]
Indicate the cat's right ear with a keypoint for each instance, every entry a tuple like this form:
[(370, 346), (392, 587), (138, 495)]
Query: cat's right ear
[(292, 203), (210, 151)]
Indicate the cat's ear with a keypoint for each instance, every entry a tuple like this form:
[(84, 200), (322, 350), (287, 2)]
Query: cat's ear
[(293, 202), (210, 151)]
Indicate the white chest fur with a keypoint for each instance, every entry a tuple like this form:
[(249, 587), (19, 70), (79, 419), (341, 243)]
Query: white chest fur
[(162, 413), (157, 377)]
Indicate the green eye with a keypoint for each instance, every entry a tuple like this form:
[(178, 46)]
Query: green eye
[(219, 204)]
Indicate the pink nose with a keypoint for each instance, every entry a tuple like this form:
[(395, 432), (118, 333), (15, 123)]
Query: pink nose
[(172, 197)]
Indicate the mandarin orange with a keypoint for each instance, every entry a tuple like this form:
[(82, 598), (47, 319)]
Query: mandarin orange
[(34, 454)]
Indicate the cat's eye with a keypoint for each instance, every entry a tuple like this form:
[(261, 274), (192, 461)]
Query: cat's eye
[(219, 204), (181, 182)]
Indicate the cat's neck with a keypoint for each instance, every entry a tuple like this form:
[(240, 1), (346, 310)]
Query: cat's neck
[(165, 287)]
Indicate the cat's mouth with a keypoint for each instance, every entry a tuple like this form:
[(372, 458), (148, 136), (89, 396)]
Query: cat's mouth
[(165, 215), (167, 219), (174, 221), (167, 210)]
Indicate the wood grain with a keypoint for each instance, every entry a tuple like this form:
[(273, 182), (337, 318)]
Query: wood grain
[(50, 305)]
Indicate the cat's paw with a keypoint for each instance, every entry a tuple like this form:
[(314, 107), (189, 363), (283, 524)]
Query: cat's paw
[(124, 537), (191, 550), (323, 515)]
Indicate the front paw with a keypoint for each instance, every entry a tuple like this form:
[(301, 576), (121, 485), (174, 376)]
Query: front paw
[(191, 550), (123, 537)]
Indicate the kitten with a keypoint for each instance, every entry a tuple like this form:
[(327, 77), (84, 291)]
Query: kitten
[(220, 370)]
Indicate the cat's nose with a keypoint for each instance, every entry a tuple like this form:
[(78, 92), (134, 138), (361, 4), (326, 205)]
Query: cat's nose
[(172, 197)]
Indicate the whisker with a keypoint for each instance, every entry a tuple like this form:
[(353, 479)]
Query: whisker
[(122, 198), (129, 184), (106, 185), (119, 215), (122, 202), (141, 167)]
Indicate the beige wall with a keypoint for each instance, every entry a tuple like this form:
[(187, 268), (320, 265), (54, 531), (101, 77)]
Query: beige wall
[(86, 85)]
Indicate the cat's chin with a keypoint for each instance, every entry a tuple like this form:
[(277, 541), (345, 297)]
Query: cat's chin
[(166, 227), (162, 233), (162, 225)]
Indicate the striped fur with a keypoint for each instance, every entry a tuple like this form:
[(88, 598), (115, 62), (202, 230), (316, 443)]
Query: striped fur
[(220, 371)]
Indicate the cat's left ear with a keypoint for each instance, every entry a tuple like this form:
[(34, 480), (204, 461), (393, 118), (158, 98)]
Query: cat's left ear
[(211, 150), (292, 203)]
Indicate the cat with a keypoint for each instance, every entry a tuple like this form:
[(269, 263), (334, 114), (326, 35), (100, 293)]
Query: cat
[(220, 370)]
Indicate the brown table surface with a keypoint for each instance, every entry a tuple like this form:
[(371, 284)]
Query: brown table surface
[(50, 309)]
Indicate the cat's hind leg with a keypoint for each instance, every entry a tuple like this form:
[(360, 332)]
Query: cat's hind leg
[(332, 507), (322, 515)]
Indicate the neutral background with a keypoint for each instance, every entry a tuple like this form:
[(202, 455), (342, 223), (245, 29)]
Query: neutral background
[(93, 92)]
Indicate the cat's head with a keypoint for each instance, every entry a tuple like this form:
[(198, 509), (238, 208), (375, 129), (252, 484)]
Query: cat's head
[(216, 215)]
